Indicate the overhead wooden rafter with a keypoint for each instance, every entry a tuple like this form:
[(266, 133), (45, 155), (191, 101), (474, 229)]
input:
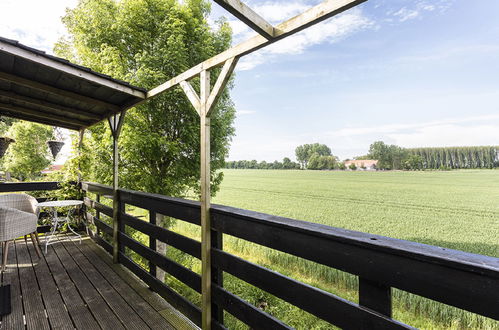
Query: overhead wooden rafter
[(314, 15), (248, 16)]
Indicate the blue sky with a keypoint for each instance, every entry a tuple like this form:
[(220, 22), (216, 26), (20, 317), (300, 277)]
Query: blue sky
[(413, 73)]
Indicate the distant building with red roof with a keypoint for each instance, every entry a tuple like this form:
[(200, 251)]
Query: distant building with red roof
[(363, 164), (52, 168)]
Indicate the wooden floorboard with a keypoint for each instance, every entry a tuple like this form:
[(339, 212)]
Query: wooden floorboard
[(73, 287), (34, 309), (140, 306), (15, 319), (101, 311), (57, 314), (80, 313), (119, 306)]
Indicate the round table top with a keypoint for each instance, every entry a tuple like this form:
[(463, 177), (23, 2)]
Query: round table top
[(60, 203)]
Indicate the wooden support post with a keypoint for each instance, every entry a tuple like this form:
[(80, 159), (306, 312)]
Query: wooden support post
[(116, 122), (80, 145), (375, 296), (203, 104), (205, 203)]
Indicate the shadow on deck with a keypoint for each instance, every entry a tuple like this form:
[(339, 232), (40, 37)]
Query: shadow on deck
[(77, 286)]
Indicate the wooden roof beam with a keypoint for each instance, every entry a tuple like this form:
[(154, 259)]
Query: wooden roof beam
[(43, 115), (248, 16), (314, 15), (48, 105), (57, 91), (69, 69), (45, 121)]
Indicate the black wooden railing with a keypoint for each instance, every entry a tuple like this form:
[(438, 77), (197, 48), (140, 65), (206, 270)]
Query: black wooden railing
[(28, 186), (463, 280)]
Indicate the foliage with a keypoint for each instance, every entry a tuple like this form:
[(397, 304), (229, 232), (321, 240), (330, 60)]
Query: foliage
[(30, 154), (286, 164), (457, 157), (306, 151), (352, 166), (318, 162), (147, 43), (390, 157)]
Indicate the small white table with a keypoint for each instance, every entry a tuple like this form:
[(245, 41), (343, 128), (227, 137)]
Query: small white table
[(57, 221)]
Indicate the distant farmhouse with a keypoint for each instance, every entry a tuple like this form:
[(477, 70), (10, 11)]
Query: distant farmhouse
[(52, 168), (362, 164)]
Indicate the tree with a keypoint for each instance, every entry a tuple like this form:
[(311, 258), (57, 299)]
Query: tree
[(305, 152), (147, 43), (30, 155), (352, 166), (389, 156)]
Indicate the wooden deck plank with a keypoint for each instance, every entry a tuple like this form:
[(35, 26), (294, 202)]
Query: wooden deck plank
[(78, 310), (34, 310), (120, 307), (101, 311), (57, 314), (174, 317), (15, 319), (141, 307), (78, 286)]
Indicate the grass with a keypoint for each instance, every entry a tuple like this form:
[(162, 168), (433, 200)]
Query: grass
[(455, 209)]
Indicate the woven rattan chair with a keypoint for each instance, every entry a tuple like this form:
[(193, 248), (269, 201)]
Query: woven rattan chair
[(18, 217)]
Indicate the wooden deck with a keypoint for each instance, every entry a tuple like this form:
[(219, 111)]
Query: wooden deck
[(77, 286)]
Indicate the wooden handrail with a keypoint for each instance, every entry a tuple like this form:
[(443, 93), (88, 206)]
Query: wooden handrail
[(464, 280)]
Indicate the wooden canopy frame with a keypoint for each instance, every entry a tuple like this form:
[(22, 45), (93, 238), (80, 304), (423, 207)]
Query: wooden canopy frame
[(94, 107), (204, 103)]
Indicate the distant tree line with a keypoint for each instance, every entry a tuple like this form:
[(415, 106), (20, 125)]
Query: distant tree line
[(394, 157), (318, 156), (286, 164), (314, 156), (456, 157)]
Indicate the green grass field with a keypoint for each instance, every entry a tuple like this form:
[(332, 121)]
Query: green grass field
[(454, 209)]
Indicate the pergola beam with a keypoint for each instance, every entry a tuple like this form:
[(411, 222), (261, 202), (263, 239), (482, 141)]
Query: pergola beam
[(42, 115), (191, 95), (314, 15), (56, 91), (7, 113), (220, 84), (248, 16), (48, 105)]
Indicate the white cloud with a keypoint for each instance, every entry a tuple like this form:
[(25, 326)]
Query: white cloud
[(448, 136), (329, 31), (33, 23), (460, 131), (387, 129), (405, 14)]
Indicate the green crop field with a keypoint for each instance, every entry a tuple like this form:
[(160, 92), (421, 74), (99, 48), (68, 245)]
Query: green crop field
[(453, 209)]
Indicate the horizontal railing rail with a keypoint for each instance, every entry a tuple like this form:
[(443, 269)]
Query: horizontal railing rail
[(28, 186), (464, 280)]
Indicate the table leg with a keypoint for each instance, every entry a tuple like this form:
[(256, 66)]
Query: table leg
[(55, 224)]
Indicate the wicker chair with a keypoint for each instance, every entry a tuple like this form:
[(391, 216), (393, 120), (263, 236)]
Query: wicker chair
[(18, 217)]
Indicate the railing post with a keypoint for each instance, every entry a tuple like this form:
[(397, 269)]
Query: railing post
[(375, 296), (115, 123), (217, 312), (152, 243)]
